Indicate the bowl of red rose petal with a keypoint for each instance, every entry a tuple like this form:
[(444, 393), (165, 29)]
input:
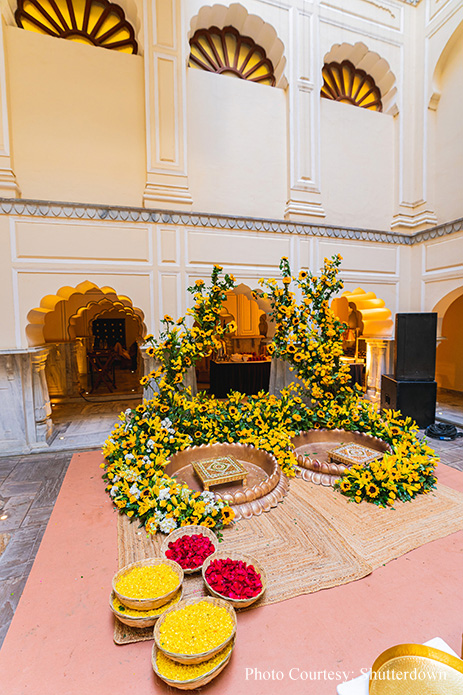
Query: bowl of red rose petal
[(190, 546), (236, 578)]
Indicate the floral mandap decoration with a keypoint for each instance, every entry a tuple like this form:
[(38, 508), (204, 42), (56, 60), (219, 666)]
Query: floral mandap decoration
[(308, 336)]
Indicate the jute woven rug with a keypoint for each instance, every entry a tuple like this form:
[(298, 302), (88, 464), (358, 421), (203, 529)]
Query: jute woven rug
[(314, 540)]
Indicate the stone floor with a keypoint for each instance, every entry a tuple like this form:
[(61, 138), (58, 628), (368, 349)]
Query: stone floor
[(29, 485)]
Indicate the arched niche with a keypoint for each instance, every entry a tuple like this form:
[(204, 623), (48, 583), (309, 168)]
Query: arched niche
[(261, 32), (50, 321), (373, 64), (449, 365), (376, 317)]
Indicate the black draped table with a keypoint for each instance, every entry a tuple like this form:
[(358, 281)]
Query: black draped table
[(245, 377)]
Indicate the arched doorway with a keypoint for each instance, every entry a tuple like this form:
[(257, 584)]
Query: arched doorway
[(449, 364), (93, 368), (242, 364), (368, 341)]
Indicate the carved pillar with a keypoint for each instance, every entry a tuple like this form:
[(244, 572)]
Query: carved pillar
[(41, 399), (378, 363), (165, 66), (8, 185), (304, 199)]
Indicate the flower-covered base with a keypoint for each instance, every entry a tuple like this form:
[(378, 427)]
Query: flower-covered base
[(266, 485), (311, 450)]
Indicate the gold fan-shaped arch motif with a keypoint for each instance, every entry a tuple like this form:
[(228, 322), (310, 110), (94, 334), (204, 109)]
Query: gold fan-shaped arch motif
[(94, 22), (225, 51), (346, 83)]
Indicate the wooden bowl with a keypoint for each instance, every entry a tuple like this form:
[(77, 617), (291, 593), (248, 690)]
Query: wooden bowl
[(193, 683), (236, 603), (204, 656), (138, 621), (189, 531), (144, 604)]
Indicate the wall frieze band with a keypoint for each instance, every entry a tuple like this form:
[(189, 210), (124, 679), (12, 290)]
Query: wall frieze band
[(82, 211)]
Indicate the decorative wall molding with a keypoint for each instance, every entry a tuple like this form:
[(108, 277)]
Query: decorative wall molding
[(43, 209)]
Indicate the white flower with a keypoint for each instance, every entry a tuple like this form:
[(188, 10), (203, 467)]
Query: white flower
[(208, 496), (116, 478), (149, 444), (134, 491), (114, 490), (164, 493), (128, 457), (167, 525), (159, 516)]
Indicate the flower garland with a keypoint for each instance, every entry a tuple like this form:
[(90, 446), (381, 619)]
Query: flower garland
[(309, 337)]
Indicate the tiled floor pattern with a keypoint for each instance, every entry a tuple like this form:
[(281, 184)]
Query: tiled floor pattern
[(30, 484)]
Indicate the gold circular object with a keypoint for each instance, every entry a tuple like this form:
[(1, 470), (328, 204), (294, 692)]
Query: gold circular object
[(415, 669)]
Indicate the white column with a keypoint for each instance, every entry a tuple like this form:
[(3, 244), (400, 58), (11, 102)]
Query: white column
[(41, 400), (165, 75), (8, 185), (413, 211), (304, 199)]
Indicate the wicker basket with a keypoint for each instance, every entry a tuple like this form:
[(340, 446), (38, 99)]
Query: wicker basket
[(189, 531), (236, 603), (136, 621), (145, 604), (194, 682), (195, 658)]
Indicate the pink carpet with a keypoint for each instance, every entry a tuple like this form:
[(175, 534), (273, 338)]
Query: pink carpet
[(61, 639)]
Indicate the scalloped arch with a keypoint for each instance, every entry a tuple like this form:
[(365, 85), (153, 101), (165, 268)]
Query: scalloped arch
[(103, 306), (41, 317), (261, 32), (376, 317), (372, 63)]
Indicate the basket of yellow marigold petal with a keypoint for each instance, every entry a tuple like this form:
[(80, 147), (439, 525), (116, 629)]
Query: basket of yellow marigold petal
[(148, 584), (195, 629), (190, 676), (140, 619)]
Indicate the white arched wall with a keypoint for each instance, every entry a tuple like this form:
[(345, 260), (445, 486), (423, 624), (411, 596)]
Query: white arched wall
[(237, 129), (357, 146)]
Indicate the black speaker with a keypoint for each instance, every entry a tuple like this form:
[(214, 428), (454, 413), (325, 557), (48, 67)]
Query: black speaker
[(415, 346), (415, 399)]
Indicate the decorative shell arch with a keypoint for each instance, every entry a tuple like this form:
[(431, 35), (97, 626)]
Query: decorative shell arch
[(376, 317), (41, 319), (248, 25), (373, 65), (94, 22)]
